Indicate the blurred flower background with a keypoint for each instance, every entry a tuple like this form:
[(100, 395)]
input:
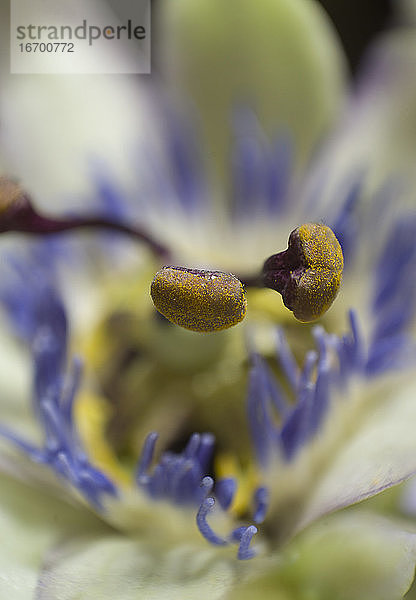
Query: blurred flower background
[(270, 460)]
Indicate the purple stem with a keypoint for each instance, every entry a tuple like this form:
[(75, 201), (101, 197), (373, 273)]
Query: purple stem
[(27, 220)]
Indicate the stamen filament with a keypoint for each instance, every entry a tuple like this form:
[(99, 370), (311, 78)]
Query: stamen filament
[(18, 214)]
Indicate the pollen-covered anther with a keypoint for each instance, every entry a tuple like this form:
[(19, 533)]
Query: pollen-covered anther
[(198, 300), (308, 274)]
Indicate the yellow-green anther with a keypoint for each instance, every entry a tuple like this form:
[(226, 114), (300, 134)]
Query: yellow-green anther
[(308, 274), (199, 300)]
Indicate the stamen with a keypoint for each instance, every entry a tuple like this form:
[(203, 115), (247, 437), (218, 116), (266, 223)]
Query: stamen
[(225, 490), (261, 504), (308, 366), (201, 301), (350, 349), (287, 360), (262, 429), (206, 486), (36, 454), (321, 395), (271, 387), (260, 169), (319, 334), (236, 534), (192, 446), (346, 223), (17, 213), (205, 449), (302, 421), (308, 274), (146, 457), (69, 393), (185, 478), (177, 477), (244, 552), (201, 521), (54, 393), (295, 429)]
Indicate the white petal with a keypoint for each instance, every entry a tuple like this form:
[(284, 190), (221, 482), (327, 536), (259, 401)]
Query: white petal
[(379, 452), (109, 567), (31, 523), (353, 556)]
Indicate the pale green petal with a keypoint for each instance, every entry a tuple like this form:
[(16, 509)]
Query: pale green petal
[(112, 567), (281, 57), (31, 523), (378, 136), (379, 451), (352, 556)]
